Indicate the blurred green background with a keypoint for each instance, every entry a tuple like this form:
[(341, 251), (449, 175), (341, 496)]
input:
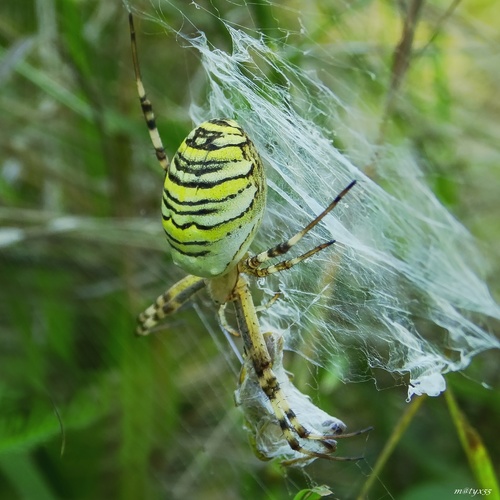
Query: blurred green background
[(89, 411)]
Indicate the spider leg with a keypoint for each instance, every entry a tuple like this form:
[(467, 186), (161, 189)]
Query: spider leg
[(252, 264), (287, 264), (147, 108), (257, 350), (269, 303), (355, 433), (168, 303), (335, 436), (295, 461), (221, 313), (324, 440)]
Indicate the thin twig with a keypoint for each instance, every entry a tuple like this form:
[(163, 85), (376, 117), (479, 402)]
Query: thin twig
[(391, 443)]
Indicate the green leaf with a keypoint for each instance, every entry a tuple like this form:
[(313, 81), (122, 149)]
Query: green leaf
[(477, 454), (313, 494), (25, 476)]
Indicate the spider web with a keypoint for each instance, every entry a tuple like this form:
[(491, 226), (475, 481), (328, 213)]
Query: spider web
[(402, 288)]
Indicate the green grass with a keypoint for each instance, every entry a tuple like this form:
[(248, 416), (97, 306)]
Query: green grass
[(88, 411)]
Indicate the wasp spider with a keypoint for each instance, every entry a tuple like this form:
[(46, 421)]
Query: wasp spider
[(214, 197)]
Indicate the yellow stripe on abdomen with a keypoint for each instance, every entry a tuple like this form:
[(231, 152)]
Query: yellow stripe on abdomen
[(214, 198)]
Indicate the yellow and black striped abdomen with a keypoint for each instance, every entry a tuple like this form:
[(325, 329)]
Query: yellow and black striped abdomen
[(213, 199)]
